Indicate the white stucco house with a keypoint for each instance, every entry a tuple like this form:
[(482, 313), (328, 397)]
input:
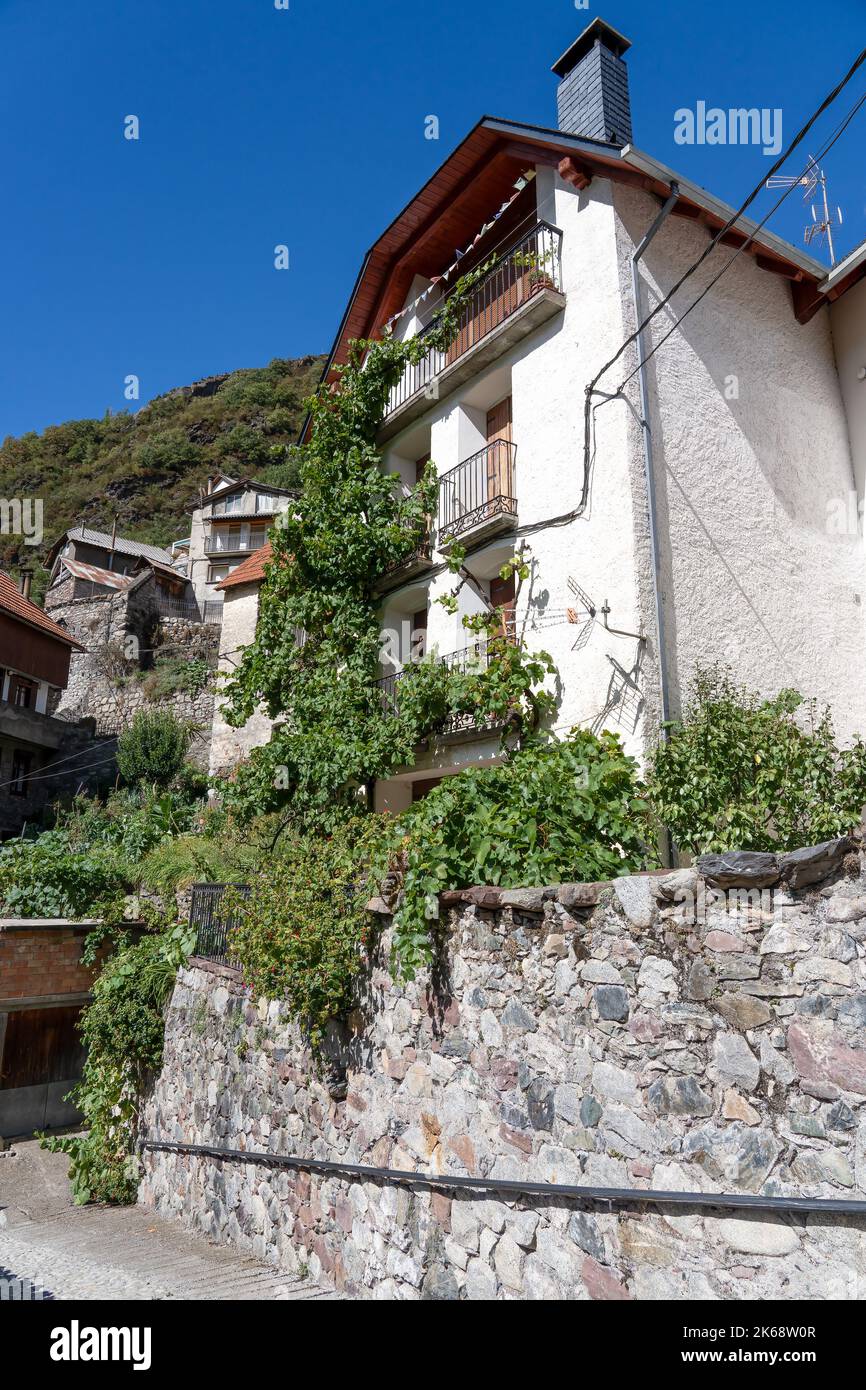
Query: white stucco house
[(240, 593), (708, 504), (713, 533)]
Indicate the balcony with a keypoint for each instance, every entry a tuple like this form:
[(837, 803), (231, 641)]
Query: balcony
[(474, 657), (232, 541), (522, 290), (27, 726), (414, 565), (477, 499)]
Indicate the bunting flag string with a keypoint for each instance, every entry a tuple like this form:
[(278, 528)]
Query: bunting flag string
[(459, 255)]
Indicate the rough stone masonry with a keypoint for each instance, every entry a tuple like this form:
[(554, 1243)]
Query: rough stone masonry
[(698, 1031)]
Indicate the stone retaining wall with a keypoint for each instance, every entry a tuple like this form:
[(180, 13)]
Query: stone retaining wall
[(687, 1032)]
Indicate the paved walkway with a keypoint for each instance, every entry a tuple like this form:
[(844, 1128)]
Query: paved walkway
[(120, 1253)]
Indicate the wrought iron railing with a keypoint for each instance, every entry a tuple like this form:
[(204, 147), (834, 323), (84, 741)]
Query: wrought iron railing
[(212, 919), (422, 554), (529, 265), (208, 611), (478, 490), (477, 656)]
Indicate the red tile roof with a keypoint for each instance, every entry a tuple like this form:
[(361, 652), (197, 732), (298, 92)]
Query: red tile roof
[(252, 571), (15, 605)]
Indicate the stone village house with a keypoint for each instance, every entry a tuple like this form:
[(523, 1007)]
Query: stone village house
[(35, 654), (723, 531)]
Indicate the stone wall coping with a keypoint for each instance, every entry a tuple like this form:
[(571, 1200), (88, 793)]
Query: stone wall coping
[(800, 868), (87, 924), (212, 967)]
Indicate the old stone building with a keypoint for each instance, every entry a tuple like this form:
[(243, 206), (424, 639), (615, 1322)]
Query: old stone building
[(42, 756)]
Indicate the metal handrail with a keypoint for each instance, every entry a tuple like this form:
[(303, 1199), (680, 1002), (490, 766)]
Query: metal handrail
[(530, 263), (476, 654), (212, 923)]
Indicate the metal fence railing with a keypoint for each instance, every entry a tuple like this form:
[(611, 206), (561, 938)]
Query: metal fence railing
[(476, 657), (212, 919), (477, 490), (188, 611), (532, 264)]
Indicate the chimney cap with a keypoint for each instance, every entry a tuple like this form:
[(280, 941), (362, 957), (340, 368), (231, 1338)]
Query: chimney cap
[(597, 31)]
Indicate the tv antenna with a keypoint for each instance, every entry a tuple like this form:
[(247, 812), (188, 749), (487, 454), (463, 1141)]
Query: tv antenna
[(583, 615), (811, 180)]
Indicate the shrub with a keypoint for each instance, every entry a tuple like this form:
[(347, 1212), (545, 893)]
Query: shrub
[(152, 749), (52, 877), (741, 772), (552, 812), (177, 863), (123, 1030), (302, 927)]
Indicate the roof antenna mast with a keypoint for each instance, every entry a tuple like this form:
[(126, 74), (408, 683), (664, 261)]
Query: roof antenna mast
[(812, 179)]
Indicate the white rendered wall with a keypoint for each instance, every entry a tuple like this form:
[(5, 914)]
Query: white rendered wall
[(751, 453), (230, 746), (545, 376), (848, 320)]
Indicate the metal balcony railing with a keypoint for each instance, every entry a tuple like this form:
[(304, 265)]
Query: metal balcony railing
[(225, 543), (532, 264), (477, 656), (211, 919), (478, 490)]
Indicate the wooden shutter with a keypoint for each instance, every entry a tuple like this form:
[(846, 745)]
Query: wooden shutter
[(499, 457), (503, 594)]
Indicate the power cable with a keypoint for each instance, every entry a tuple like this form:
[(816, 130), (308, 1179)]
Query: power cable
[(746, 244)]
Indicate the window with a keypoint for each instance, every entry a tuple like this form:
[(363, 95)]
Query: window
[(265, 503), (218, 573), (258, 536), (21, 764), (22, 692), (229, 505)]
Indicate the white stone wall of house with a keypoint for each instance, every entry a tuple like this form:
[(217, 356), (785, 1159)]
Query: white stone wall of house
[(754, 472), (848, 322), (753, 463), (228, 745)]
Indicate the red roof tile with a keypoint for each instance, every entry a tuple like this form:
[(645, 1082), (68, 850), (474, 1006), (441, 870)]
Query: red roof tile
[(15, 605), (251, 571)]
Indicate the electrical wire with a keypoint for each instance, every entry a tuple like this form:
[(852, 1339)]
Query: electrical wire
[(735, 217), (49, 776), (746, 244)]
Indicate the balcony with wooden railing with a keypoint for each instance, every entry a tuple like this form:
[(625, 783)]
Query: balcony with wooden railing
[(521, 291)]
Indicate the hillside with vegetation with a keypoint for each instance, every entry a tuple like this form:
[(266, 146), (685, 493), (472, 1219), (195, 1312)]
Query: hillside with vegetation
[(146, 468)]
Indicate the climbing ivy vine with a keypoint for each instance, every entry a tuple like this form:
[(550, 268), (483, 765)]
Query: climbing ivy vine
[(351, 524)]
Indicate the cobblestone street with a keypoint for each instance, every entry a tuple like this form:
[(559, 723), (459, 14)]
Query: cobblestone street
[(117, 1253)]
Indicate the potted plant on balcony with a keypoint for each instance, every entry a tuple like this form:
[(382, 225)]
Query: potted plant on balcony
[(536, 263)]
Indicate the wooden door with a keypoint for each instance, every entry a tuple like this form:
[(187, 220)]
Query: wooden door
[(41, 1045), (503, 594), (499, 456), (419, 635)]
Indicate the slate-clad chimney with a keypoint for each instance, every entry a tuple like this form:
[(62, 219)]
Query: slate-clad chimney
[(592, 98)]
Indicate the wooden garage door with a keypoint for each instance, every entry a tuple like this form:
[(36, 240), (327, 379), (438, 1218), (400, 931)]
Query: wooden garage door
[(41, 1045)]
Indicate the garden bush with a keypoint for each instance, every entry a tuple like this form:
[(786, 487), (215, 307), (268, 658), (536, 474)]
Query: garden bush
[(152, 750), (742, 772)]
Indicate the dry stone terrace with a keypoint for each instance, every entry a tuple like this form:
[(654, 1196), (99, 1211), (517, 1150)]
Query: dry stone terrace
[(699, 1031)]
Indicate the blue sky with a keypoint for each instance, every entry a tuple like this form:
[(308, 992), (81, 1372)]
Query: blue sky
[(305, 126)]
